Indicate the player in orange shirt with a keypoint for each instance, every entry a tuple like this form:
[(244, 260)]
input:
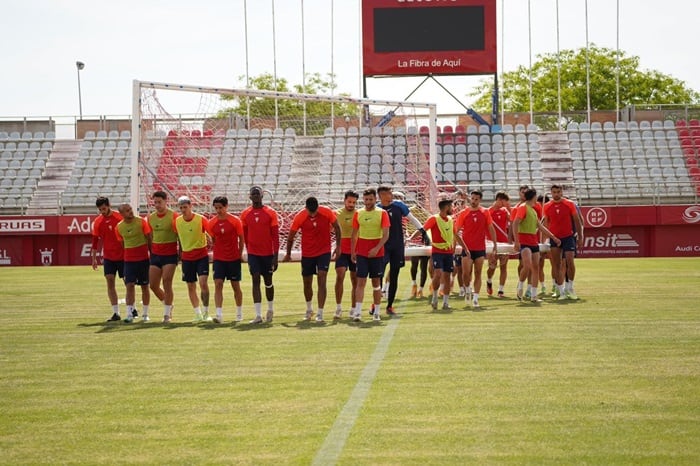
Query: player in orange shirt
[(315, 223), (262, 241), (562, 219), (513, 234), (104, 228), (226, 231), (500, 214), (475, 223), (135, 234)]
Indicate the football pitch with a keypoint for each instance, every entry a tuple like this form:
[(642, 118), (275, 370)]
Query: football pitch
[(613, 378)]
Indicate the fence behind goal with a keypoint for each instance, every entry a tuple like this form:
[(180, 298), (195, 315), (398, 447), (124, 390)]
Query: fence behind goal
[(206, 142)]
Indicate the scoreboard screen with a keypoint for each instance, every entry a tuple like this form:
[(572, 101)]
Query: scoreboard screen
[(428, 29), (414, 37)]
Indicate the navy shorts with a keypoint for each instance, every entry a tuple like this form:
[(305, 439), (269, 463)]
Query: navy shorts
[(344, 260), (444, 262), (136, 272), (260, 265), (534, 249), (313, 265), (458, 259), (193, 269), (159, 261), (227, 270), (113, 267), (394, 257), (372, 267), (474, 255), (567, 244)]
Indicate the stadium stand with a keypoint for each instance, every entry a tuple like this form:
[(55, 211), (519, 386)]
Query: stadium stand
[(618, 162)]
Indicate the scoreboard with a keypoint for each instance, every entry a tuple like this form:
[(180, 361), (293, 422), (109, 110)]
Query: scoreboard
[(420, 37)]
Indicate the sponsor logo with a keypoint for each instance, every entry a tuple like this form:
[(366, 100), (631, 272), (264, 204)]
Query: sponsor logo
[(87, 250), (46, 256), (689, 248), (692, 214), (22, 226), (596, 217), (5, 259), (612, 243), (81, 227)]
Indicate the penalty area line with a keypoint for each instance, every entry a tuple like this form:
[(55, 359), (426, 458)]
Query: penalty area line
[(335, 440)]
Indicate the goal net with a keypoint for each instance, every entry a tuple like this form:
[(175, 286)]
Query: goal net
[(206, 142)]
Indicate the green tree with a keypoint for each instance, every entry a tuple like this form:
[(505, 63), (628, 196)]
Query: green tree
[(290, 112), (637, 87)]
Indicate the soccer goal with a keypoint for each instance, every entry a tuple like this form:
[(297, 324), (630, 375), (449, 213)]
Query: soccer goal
[(204, 142)]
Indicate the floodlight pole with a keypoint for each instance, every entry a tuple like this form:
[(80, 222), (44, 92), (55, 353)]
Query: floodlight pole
[(80, 65)]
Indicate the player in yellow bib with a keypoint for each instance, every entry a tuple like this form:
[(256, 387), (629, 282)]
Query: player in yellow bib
[(191, 232), (344, 262), (163, 252), (135, 233)]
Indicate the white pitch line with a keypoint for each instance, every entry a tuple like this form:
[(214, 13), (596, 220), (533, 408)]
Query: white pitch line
[(335, 440)]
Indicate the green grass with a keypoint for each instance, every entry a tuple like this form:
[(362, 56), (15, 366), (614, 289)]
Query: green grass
[(611, 379)]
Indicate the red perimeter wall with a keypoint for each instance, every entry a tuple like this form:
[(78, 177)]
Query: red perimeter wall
[(625, 231)]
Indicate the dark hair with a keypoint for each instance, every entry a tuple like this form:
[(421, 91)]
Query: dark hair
[(223, 200), (444, 203), (369, 191), (160, 194), (523, 187), (383, 189), (478, 193), (102, 200), (351, 193), (557, 186), (530, 194), (311, 204), (502, 195)]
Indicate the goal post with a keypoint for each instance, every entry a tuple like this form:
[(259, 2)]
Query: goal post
[(206, 141)]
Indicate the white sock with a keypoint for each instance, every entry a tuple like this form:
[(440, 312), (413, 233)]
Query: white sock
[(467, 289), (500, 287), (309, 307), (239, 311), (145, 310), (520, 285), (475, 296), (270, 305), (570, 283), (206, 309), (489, 281), (533, 292), (198, 311), (445, 298), (435, 296), (413, 282), (167, 309), (115, 309), (129, 310), (258, 309), (219, 312), (358, 309), (319, 314), (338, 307)]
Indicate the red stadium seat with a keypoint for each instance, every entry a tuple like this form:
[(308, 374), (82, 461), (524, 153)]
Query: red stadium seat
[(681, 124), (447, 129), (196, 133), (460, 129), (694, 123)]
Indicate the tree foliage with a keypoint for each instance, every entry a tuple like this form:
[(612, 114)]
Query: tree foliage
[(288, 110), (637, 87)]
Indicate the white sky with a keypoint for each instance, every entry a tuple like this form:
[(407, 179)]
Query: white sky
[(202, 43)]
